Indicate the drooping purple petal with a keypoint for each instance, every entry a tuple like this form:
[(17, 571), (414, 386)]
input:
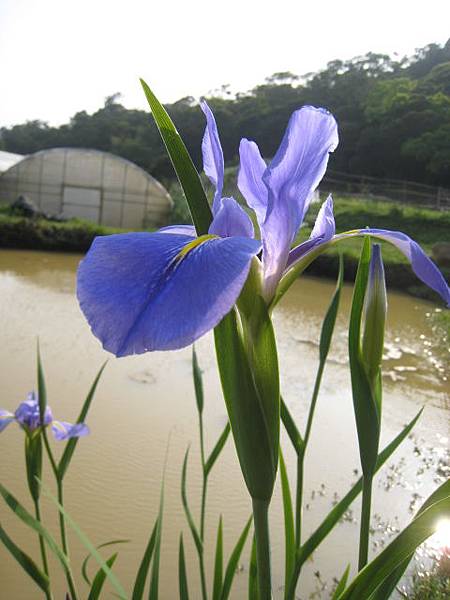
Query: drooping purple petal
[(27, 413), (213, 164), (157, 291), (423, 267), (250, 179), (291, 177), (181, 229), (63, 431), (5, 419), (231, 220), (323, 230)]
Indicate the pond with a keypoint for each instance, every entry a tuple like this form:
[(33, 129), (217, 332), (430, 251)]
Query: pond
[(145, 405)]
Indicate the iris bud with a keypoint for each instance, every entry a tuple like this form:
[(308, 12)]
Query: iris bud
[(375, 308)]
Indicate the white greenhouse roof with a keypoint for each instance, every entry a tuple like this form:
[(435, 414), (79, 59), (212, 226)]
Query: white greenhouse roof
[(8, 159)]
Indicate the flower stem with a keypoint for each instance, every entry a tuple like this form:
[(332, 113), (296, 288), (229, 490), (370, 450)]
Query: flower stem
[(261, 524), (37, 511), (365, 522)]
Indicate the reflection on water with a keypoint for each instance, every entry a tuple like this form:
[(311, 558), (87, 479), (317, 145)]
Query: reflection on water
[(113, 485)]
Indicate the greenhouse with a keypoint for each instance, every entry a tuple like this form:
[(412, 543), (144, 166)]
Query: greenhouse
[(88, 184)]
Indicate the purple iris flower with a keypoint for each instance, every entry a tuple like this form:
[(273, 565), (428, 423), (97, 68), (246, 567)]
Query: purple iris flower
[(27, 416), (163, 290)]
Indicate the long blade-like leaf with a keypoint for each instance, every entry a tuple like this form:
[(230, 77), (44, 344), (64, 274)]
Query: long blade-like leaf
[(84, 565), (422, 526), (182, 575), (182, 163), (337, 512), (217, 449), (26, 518), (253, 574), (71, 443), (99, 579), (42, 390), (198, 381), (291, 429), (389, 584), (233, 561), (27, 563), (141, 577), (366, 414), (329, 321), (154, 581), (218, 563), (341, 584), (289, 527), (88, 545), (187, 510)]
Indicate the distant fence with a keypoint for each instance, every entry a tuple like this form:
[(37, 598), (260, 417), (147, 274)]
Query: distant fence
[(405, 192)]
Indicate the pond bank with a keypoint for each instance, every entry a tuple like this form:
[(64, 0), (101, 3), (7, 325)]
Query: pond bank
[(426, 227)]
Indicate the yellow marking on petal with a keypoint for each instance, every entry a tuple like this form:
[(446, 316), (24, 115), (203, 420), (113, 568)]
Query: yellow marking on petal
[(58, 426), (351, 231), (194, 244), (7, 416)]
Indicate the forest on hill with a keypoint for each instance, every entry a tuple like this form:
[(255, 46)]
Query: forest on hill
[(393, 115)]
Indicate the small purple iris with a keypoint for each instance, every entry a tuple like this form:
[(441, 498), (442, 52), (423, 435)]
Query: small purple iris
[(161, 291), (27, 416)]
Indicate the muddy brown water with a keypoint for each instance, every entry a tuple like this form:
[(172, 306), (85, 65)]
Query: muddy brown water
[(145, 404)]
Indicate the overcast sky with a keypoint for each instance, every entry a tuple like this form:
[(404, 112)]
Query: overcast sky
[(61, 56)]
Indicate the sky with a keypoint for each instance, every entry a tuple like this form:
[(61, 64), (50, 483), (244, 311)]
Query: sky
[(58, 57)]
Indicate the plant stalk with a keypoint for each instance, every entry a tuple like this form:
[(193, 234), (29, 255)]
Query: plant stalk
[(37, 511), (365, 522), (261, 524)]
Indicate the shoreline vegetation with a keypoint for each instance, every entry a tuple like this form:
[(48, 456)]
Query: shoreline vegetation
[(427, 227)]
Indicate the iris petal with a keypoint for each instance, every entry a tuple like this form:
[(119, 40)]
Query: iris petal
[(250, 179), (323, 230), (138, 296), (231, 220), (5, 419), (213, 164), (291, 177), (63, 431)]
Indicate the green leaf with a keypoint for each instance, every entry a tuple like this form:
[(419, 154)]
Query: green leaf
[(329, 321), (218, 563), (217, 449), (366, 414), (26, 518), (198, 381), (84, 565), (141, 577), (27, 563), (42, 390), (100, 579), (255, 440), (71, 444), (154, 581), (182, 576), (341, 584), (422, 526), (182, 163), (189, 517), (253, 574), (291, 429), (33, 461), (88, 545), (389, 584), (289, 527), (316, 538), (234, 561)]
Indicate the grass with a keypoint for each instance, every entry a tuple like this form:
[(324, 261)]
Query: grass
[(433, 585)]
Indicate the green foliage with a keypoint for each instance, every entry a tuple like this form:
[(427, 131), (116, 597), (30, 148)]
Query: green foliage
[(384, 108), (434, 585)]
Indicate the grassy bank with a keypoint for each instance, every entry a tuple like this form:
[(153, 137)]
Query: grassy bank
[(425, 226)]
